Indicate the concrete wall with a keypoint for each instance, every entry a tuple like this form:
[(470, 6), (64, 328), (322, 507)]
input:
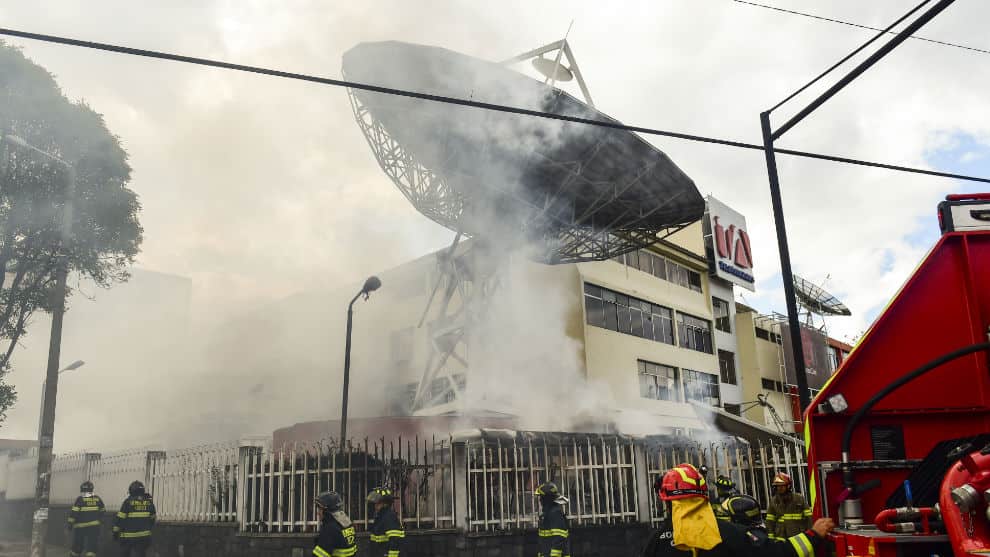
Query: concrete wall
[(732, 394), (218, 540)]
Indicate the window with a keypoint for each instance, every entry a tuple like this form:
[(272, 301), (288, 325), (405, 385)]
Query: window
[(632, 259), (721, 310), (659, 267), (662, 268), (767, 335), (727, 367), (694, 333), (657, 381), (701, 387), (617, 312), (771, 385)]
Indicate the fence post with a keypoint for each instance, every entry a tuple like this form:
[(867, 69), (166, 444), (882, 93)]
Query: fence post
[(459, 474), (246, 450), (91, 460), (151, 458), (644, 485)]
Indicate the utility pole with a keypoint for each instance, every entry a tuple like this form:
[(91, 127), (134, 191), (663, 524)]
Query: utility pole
[(46, 433), (769, 135)]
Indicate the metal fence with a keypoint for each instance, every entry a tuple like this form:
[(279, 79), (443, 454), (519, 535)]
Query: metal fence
[(481, 483), (597, 474), (280, 485), (196, 484), (752, 467)]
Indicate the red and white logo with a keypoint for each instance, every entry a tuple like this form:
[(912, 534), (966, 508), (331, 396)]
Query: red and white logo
[(728, 246)]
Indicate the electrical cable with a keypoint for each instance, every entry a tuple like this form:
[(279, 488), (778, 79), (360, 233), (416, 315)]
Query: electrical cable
[(851, 24), (466, 102)]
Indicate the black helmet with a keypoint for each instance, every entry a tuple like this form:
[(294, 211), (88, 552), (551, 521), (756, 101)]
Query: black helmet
[(548, 493), (136, 488), (380, 494), (86, 487), (744, 510), (724, 484), (329, 500)]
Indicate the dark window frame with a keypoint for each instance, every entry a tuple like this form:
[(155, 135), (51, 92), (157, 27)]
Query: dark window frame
[(727, 367)]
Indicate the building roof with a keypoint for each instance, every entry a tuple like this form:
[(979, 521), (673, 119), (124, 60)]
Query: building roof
[(17, 444)]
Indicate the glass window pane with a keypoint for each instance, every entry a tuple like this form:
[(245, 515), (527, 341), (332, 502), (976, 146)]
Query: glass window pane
[(660, 268), (595, 291), (636, 325), (611, 320), (632, 259), (608, 295), (625, 321), (595, 310)]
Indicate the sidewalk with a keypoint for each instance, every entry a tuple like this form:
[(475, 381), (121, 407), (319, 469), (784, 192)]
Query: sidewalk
[(23, 548)]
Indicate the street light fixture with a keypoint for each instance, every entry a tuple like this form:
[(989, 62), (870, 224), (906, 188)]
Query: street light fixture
[(74, 365), (44, 387), (46, 432), (373, 283)]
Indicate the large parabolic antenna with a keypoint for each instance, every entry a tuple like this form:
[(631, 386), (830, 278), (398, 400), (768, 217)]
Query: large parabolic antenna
[(577, 192), (816, 300)]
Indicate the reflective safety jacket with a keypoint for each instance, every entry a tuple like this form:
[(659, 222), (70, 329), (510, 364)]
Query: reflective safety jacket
[(787, 515), (386, 534), (86, 512), (736, 542), (336, 537), (554, 533), (135, 518)]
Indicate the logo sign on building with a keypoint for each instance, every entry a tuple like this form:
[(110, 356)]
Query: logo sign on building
[(730, 256)]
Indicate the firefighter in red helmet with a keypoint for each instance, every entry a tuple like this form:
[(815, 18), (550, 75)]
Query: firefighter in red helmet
[(690, 526), (788, 512)]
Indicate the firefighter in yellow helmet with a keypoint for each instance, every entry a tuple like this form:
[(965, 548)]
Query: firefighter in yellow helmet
[(691, 529), (386, 529), (788, 512)]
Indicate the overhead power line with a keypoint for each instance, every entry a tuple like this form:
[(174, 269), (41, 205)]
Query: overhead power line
[(466, 102), (851, 24)]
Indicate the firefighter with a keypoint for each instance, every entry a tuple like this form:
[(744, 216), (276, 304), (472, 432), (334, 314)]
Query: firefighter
[(336, 537), (386, 530), (692, 529), (85, 519), (554, 533), (788, 513), (724, 488), (133, 523), (746, 512)]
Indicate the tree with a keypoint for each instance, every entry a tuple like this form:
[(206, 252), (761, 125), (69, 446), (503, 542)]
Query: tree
[(105, 233)]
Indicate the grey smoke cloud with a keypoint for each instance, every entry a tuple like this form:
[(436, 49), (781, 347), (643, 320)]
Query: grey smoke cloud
[(256, 188)]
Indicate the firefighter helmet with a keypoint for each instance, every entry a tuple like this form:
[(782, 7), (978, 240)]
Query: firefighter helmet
[(380, 494), (744, 510), (136, 488), (329, 500), (86, 487), (724, 483), (782, 479), (548, 492), (681, 482)]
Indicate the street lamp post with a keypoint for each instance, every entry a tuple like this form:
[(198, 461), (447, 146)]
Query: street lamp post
[(370, 285), (46, 434), (44, 386)]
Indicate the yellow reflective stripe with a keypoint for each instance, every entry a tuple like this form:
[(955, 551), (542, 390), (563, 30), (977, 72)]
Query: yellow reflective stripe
[(85, 509), (141, 534), (556, 553), (121, 514), (116, 528), (380, 539), (801, 544), (395, 533), (139, 514), (320, 552), (86, 524), (771, 517), (812, 492), (553, 532), (792, 516), (347, 552), (71, 519), (393, 553), (685, 477), (74, 508)]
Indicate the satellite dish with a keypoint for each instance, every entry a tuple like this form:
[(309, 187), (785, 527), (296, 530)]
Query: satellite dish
[(816, 300), (578, 192), (552, 70)]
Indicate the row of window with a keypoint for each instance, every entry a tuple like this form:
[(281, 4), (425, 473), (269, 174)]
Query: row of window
[(663, 382), (767, 335), (619, 312), (662, 268)]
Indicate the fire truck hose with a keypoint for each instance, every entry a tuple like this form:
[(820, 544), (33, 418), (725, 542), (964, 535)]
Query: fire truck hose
[(906, 520)]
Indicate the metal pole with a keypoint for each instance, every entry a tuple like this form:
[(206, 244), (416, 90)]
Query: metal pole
[(46, 435), (347, 373), (794, 325)]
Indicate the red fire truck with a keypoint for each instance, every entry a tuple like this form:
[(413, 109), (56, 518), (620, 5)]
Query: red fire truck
[(899, 438)]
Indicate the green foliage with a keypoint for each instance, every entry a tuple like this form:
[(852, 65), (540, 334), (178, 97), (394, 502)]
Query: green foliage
[(105, 234)]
